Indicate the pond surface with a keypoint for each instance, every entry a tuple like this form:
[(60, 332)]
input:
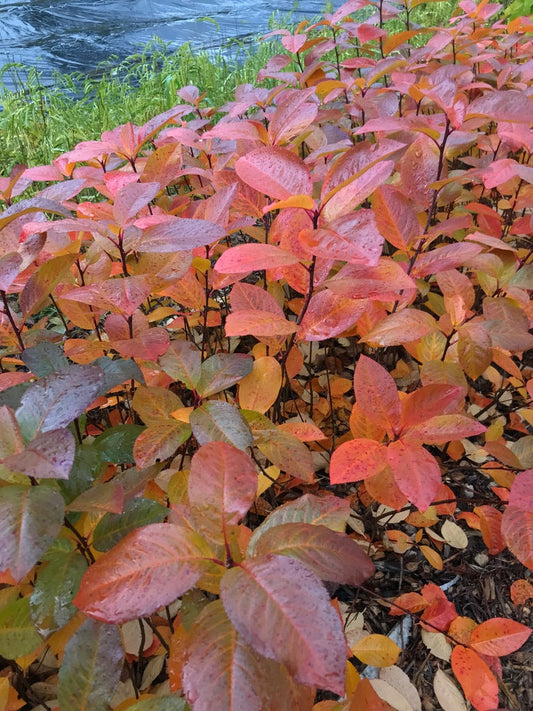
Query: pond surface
[(76, 35)]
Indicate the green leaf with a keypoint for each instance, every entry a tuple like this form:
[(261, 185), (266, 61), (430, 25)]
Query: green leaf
[(116, 444), (84, 471), (44, 358), (221, 371), (91, 668), (56, 400), (183, 362), (160, 703), (117, 372), (57, 584), (30, 520), (137, 512), (159, 442), (218, 420), (17, 633)]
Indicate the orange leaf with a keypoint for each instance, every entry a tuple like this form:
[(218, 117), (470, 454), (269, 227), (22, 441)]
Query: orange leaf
[(499, 636), (477, 681), (521, 592), (366, 699), (259, 389), (376, 394), (355, 460), (377, 650), (416, 472), (490, 521)]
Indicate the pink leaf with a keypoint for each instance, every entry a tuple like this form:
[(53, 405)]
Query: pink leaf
[(258, 597), (275, 171), (329, 554), (376, 394), (416, 472), (328, 316), (49, 456), (356, 460), (150, 568), (441, 429), (222, 486), (499, 636), (246, 258)]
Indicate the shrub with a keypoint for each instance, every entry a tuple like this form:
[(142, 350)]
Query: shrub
[(244, 357)]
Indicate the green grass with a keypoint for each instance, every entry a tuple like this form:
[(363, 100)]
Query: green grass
[(38, 123)]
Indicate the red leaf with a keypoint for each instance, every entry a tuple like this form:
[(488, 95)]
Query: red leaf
[(441, 259), (330, 555), (329, 315), (121, 295), (441, 429), (131, 198), (521, 494), (499, 636), (150, 568), (243, 679), (246, 258), (175, 234), (258, 597), (259, 324), (401, 327), (490, 523), (352, 238), (355, 460), (344, 199), (292, 115), (517, 530), (376, 394), (508, 105), (275, 172), (416, 472), (395, 216), (428, 401), (383, 282), (222, 487), (10, 266), (49, 456), (477, 681)]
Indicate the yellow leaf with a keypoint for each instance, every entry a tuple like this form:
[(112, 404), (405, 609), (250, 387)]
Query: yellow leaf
[(377, 650), (4, 693), (352, 679), (260, 388), (264, 482), (304, 201), (432, 557)]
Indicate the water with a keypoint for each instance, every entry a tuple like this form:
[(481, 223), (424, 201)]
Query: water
[(76, 35)]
